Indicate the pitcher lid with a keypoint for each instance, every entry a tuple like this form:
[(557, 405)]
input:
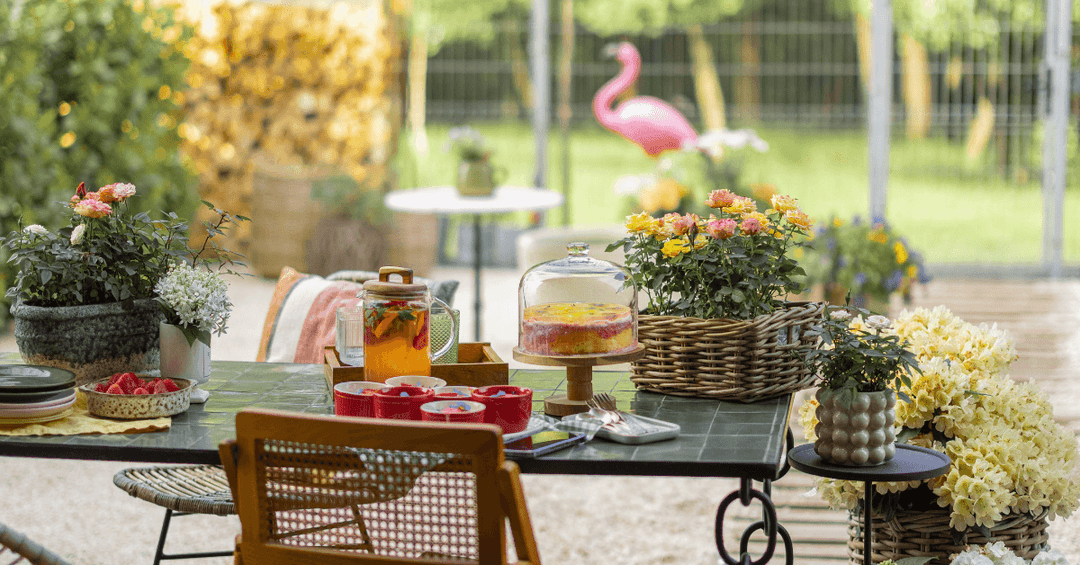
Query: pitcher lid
[(405, 288)]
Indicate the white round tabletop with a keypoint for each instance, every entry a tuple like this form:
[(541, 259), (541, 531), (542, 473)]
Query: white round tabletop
[(446, 200)]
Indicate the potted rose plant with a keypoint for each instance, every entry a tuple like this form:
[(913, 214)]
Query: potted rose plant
[(84, 296), (1013, 466), (716, 322), (861, 365)]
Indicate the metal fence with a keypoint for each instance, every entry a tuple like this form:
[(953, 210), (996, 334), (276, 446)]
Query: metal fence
[(787, 65)]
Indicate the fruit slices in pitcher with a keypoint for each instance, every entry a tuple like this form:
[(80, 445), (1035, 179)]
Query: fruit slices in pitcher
[(395, 341)]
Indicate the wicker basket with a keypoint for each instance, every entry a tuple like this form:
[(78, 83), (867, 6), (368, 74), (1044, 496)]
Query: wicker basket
[(743, 360), (926, 533)]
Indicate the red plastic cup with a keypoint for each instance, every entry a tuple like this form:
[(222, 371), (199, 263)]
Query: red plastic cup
[(453, 411), (402, 402), (509, 410), (457, 392), (356, 398)]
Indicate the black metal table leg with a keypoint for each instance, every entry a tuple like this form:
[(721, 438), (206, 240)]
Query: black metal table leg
[(868, 534), (768, 524)]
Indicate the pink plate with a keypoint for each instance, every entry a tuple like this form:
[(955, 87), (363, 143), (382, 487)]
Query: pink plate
[(62, 397), (35, 411)]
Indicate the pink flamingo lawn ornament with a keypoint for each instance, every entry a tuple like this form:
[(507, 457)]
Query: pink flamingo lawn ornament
[(645, 120)]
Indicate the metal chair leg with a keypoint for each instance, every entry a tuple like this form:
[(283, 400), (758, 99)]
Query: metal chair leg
[(160, 555)]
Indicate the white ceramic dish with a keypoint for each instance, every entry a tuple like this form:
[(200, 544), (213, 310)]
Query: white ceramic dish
[(138, 406), (55, 399), (35, 411), (654, 430), (416, 380)]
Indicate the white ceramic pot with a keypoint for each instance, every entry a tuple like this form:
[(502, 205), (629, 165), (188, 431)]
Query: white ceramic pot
[(857, 435), (179, 359)]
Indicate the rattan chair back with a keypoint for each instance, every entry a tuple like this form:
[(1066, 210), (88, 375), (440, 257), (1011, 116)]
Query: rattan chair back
[(326, 489)]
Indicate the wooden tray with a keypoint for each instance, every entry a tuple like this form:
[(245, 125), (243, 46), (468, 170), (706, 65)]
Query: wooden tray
[(478, 365)]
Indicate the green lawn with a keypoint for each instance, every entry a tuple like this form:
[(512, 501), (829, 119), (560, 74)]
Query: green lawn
[(950, 217)]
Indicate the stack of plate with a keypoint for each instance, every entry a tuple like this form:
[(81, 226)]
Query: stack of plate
[(32, 394)]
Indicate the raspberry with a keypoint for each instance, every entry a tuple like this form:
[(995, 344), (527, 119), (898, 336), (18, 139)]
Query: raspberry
[(170, 386), (116, 377), (141, 390), (128, 383), (101, 387), (114, 389), (159, 387)]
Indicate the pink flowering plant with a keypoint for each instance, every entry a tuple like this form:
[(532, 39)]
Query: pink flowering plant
[(105, 255), (733, 264)]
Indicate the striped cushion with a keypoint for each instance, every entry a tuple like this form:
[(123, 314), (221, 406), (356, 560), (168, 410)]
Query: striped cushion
[(300, 323)]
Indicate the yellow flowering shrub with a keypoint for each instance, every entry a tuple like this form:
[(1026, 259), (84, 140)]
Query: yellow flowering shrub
[(1008, 453)]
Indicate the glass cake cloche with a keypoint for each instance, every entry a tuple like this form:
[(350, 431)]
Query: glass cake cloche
[(577, 306)]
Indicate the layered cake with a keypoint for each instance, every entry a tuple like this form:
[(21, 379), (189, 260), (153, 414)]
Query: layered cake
[(577, 328)]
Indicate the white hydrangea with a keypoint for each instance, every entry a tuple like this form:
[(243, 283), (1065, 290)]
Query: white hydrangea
[(997, 554), (198, 299)]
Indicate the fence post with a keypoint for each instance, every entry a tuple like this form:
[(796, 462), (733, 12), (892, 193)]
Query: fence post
[(1056, 64), (541, 80), (879, 109)]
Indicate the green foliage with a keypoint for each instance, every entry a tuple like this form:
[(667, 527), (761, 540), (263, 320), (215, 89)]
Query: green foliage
[(444, 20), (343, 196), (734, 266), (82, 100), (865, 258), (103, 255), (609, 17), (860, 354)]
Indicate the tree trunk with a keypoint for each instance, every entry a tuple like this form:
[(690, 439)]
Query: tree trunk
[(519, 68), (418, 56), (981, 128), (748, 83), (710, 97), (916, 87), (862, 44)]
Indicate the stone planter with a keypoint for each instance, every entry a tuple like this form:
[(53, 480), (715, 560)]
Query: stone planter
[(93, 341), (858, 435)]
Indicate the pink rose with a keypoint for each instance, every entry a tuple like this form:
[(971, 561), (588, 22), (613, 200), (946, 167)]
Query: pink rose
[(720, 229), (682, 224), (750, 226), (720, 198), (116, 192), (92, 208)]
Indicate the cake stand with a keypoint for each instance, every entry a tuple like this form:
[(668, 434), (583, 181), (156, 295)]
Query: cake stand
[(579, 370)]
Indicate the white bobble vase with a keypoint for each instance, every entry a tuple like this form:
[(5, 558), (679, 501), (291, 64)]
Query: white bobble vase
[(859, 434), (179, 359)]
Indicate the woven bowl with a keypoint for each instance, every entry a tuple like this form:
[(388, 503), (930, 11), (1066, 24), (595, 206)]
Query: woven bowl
[(137, 406)]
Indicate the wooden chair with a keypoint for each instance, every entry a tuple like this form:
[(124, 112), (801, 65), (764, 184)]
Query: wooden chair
[(332, 490)]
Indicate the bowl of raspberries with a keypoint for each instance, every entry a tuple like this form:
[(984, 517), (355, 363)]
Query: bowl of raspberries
[(127, 396)]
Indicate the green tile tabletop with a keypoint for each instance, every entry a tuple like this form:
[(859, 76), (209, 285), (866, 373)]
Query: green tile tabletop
[(718, 439)]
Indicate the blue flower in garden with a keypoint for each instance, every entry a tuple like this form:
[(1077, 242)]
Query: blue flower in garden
[(859, 280), (894, 281)]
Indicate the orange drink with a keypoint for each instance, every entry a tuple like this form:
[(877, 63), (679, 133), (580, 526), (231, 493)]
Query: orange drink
[(395, 340)]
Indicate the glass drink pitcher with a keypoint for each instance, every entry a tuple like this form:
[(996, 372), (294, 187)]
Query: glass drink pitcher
[(397, 318)]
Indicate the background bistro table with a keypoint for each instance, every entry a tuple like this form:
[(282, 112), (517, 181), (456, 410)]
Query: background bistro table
[(445, 200), (718, 439)]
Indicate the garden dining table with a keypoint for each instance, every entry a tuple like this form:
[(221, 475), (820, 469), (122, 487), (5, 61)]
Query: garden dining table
[(717, 439)]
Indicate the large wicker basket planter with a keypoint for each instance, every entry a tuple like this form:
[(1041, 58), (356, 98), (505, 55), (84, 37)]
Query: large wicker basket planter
[(926, 533), (740, 360)]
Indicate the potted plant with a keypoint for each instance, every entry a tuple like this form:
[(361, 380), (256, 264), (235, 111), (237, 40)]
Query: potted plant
[(476, 174), (861, 365), (715, 321), (866, 259), (195, 302), (84, 296), (1013, 466)]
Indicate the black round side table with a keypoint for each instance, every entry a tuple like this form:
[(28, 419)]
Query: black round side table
[(912, 463)]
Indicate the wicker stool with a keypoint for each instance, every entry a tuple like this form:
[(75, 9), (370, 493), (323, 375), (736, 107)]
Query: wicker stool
[(183, 490), (24, 549)]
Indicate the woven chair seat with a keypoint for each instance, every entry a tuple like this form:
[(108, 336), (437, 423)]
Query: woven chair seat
[(24, 549), (196, 489)]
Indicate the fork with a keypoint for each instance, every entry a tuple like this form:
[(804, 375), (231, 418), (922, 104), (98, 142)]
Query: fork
[(611, 418), (606, 402)]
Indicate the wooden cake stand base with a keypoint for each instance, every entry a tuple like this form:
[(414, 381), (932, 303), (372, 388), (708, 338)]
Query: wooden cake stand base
[(579, 370)]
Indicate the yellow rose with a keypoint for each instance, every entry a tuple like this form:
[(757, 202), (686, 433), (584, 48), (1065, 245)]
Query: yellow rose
[(901, 253), (675, 247), (639, 223)]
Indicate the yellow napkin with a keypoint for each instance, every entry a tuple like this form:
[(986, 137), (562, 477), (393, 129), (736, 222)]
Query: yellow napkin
[(80, 422)]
